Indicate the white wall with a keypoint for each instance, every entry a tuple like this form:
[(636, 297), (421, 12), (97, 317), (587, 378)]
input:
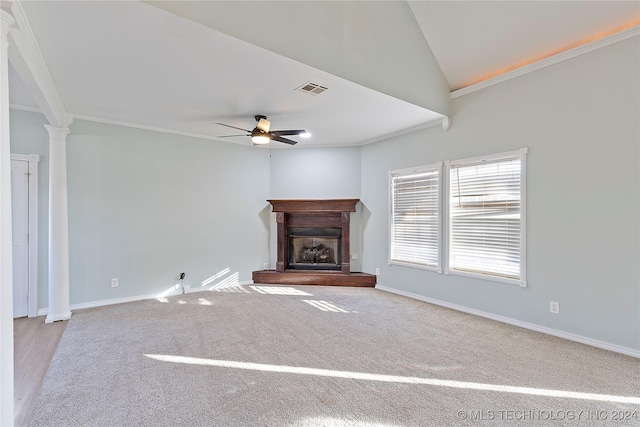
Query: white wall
[(318, 173), (145, 206), (580, 120)]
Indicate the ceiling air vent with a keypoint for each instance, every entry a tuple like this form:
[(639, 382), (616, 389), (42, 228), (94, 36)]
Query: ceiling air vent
[(312, 88)]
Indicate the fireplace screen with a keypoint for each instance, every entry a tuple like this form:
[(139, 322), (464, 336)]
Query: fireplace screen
[(315, 248)]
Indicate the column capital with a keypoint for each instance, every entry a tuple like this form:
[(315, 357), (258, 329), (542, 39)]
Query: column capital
[(57, 133), (6, 20)]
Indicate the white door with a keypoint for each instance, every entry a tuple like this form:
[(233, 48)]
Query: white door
[(20, 219)]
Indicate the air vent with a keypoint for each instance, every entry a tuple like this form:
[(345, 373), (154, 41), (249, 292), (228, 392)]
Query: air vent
[(312, 88)]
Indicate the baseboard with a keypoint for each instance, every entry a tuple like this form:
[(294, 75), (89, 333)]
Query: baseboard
[(531, 326), (102, 303)]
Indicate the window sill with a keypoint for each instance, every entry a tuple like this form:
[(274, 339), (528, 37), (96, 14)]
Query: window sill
[(414, 265), (518, 282)]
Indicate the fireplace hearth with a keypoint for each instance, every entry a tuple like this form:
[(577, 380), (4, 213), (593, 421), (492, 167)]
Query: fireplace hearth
[(313, 238)]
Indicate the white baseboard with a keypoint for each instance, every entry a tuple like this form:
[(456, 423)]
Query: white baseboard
[(101, 303), (531, 326)]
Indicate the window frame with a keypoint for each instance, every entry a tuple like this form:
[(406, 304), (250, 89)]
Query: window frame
[(517, 154), (435, 167)]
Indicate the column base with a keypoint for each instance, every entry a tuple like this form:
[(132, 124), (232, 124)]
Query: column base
[(57, 317)]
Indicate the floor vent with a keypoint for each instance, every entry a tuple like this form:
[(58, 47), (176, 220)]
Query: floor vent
[(312, 88)]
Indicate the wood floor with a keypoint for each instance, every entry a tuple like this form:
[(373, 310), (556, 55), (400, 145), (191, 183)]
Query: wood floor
[(34, 345)]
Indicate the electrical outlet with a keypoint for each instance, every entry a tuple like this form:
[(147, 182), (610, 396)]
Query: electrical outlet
[(377, 271), (354, 255), (554, 307), (114, 282), (265, 266)]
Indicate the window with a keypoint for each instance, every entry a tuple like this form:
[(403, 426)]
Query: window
[(486, 218), (415, 216)]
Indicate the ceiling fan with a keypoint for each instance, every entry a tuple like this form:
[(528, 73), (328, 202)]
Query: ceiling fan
[(261, 135)]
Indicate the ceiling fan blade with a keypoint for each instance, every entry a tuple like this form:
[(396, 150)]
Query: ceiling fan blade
[(264, 125), (288, 132), (229, 136), (229, 126), (281, 139)]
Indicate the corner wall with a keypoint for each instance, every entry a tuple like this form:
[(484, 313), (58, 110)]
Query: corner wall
[(318, 173), (145, 206), (579, 119)]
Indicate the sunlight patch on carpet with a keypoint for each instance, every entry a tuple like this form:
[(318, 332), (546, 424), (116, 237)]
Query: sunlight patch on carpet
[(392, 378), (325, 306), (279, 290), (336, 422)]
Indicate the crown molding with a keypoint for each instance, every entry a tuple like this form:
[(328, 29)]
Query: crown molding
[(145, 127), (25, 108), (72, 116), (436, 122), (551, 60)]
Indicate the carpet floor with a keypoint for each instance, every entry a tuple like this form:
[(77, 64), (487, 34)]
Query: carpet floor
[(323, 356)]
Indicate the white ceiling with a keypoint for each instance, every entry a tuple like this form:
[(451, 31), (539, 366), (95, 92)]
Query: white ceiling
[(131, 63), (475, 39)]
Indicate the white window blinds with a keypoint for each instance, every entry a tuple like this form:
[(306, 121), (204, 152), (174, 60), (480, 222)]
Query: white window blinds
[(485, 227), (414, 218)]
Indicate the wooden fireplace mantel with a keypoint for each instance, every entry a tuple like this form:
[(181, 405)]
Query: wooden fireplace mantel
[(309, 213), (333, 213), (314, 206)]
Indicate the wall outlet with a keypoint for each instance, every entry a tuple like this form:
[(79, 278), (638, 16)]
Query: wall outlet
[(377, 271), (114, 282), (265, 266), (354, 255), (554, 307)]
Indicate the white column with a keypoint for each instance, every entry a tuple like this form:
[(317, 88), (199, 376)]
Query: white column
[(6, 243), (58, 226)]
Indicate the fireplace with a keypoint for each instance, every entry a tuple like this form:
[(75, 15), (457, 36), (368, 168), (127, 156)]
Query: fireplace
[(313, 238), (314, 248), (313, 234)]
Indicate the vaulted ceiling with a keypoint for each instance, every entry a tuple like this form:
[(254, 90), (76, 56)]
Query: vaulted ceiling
[(389, 67)]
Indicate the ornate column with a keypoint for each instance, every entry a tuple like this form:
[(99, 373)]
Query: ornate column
[(6, 243), (58, 226)]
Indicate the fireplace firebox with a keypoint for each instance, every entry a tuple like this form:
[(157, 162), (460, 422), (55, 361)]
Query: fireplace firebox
[(314, 248), (313, 238)]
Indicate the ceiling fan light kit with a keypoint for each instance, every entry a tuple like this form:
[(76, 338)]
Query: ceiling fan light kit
[(261, 134), (260, 139)]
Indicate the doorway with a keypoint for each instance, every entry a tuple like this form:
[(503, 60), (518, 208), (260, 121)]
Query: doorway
[(24, 210)]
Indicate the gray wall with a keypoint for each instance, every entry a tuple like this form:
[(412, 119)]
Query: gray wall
[(580, 121), (145, 206)]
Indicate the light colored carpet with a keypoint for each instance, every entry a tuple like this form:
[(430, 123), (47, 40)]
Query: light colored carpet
[(323, 356)]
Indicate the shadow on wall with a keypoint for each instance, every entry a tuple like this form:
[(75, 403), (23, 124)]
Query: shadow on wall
[(265, 217), (365, 215)]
